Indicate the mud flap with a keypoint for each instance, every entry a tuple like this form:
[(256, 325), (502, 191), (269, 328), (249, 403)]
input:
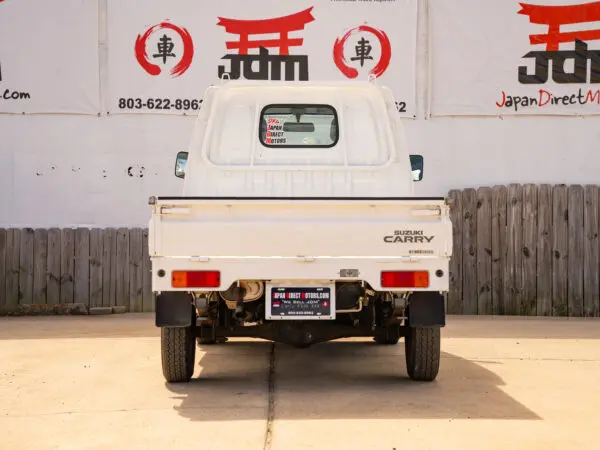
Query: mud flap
[(174, 309), (426, 310)]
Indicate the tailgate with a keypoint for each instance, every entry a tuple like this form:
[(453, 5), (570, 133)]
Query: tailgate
[(201, 227)]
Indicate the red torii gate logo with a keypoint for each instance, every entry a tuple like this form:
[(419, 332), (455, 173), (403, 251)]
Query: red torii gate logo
[(282, 26), (554, 17)]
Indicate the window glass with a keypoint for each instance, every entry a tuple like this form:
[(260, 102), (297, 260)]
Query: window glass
[(310, 126)]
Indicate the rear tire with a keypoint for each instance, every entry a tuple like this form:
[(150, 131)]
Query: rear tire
[(391, 337), (210, 341), (205, 336), (422, 352), (386, 341), (178, 352)]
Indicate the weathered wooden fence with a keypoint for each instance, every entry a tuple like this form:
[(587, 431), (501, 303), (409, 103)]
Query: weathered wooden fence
[(518, 250), (526, 250), (58, 267)]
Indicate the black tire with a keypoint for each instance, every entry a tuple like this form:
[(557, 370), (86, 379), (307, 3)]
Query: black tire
[(391, 337), (386, 341), (210, 341), (178, 351), (206, 341), (422, 352), (205, 337)]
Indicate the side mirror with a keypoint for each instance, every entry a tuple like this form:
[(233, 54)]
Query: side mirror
[(180, 163), (416, 164)]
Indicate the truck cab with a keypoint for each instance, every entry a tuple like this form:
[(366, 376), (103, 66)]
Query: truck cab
[(297, 223)]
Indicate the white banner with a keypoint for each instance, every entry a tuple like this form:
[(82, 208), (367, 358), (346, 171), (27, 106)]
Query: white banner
[(503, 57), (49, 56), (163, 55)]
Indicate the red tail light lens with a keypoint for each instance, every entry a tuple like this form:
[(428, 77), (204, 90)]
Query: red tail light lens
[(195, 279), (405, 279)]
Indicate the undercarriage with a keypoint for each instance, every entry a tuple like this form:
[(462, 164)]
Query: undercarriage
[(299, 334), (194, 318), (241, 312)]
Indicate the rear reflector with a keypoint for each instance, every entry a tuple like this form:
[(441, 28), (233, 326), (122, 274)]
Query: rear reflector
[(405, 279), (196, 279)]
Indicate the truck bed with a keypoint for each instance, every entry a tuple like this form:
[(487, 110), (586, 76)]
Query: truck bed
[(196, 227)]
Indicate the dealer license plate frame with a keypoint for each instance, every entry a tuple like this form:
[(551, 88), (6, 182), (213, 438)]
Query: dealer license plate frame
[(286, 312)]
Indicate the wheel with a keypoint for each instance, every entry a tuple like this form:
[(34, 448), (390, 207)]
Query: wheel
[(206, 341), (391, 337), (178, 351), (210, 341), (206, 337), (422, 352), (379, 340)]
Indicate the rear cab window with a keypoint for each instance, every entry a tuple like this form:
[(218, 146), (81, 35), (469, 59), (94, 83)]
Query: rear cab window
[(298, 126)]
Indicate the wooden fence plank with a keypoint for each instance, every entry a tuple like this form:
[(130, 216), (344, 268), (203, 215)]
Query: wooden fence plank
[(109, 267), (13, 249), (26, 267), (544, 251), (469, 254), (528, 305), (82, 266), (96, 269), (67, 265), (136, 299), (148, 298), (484, 250), (122, 285), (514, 240), (499, 201), (40, 265), (3, 249), (560, 245), (575, 260), (455, 294), (53, 274), (591, 259)]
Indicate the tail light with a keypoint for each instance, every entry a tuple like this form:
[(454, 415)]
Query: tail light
[(405, 279), (195, 279)]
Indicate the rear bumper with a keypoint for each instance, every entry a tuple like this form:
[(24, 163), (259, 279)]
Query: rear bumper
[(294, 270)]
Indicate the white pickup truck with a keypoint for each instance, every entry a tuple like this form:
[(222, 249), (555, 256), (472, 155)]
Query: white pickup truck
[(297, 223)]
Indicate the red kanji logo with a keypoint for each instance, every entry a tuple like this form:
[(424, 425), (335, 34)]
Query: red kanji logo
[(363, 52), (165, 50)]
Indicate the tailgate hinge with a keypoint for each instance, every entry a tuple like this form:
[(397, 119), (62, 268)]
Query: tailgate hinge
[(175, 210), (199, 258), (305, 258)]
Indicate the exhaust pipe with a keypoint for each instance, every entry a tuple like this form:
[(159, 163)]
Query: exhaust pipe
[(240, 312), (239, 293)]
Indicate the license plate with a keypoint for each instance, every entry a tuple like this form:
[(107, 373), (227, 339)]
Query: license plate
[(300, 303)]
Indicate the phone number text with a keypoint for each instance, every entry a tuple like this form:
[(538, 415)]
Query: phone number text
[(160, 103)]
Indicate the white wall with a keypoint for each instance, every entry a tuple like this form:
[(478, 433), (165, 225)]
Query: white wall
[(64, 171)]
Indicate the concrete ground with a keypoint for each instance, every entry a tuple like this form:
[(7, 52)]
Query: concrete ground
[(96, 383)]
